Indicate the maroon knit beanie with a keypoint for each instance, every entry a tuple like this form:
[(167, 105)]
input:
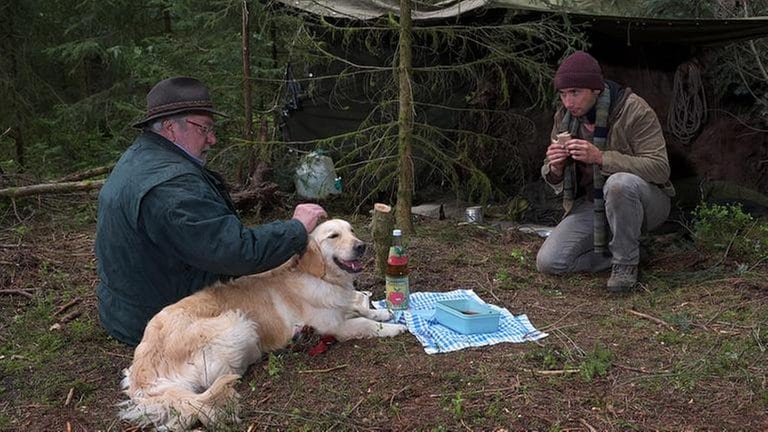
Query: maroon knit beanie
[(579, 70)]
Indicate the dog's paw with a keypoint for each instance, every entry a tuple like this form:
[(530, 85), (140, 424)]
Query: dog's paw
[(401, 328), (389, 330), (381, 315)]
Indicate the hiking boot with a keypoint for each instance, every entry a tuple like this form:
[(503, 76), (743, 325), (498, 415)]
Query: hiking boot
[(623, 278)]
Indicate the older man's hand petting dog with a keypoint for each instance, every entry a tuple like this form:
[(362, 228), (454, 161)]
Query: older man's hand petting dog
[(309, 215), (194, 350)]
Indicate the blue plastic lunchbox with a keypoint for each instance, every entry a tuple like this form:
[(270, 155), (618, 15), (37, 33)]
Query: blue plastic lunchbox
[(467, 316)]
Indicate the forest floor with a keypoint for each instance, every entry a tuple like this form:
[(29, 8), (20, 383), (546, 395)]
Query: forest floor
[(686, 351)]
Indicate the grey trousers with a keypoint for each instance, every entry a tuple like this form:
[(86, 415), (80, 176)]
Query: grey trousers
[(632, 206)]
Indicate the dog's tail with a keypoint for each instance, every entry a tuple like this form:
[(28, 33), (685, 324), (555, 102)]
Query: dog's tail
[(173, 407)]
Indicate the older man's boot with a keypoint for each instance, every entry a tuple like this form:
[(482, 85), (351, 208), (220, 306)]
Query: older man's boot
[(623, 278)]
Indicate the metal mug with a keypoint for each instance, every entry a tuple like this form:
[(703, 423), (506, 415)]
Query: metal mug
[(474, 214)]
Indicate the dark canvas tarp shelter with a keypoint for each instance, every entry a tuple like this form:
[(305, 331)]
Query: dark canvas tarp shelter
[(606, 24), (605, 20)]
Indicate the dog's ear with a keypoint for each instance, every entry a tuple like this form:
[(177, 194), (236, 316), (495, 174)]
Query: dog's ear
[(312, 261)]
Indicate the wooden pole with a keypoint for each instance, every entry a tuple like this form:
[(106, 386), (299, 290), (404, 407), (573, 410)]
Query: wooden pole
[(381, 231)]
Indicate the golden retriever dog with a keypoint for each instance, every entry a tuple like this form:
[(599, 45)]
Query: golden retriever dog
[(193, 351)]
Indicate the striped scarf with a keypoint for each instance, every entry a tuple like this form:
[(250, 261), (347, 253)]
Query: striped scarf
[(569, 182)]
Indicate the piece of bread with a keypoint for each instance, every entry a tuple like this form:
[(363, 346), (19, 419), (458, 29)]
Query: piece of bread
[(563, 137)]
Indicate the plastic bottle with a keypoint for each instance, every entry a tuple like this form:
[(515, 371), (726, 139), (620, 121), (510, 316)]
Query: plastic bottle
[(316, 177), (396, 276)]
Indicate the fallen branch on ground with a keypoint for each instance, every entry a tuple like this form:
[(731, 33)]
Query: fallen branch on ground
[(552, 326), (651, 318), (51, 188), (553, 372), (392, 399), (24, 293), (69, 396), (323, 370), (66, 306), (464, 393), (641, 370), (69, 317), (93, 172)]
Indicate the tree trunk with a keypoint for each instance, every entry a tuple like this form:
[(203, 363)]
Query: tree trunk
[(381, 232), (14, 53), (247, 97), (167, 21), (405, 123), (245, 165), (18, 138)]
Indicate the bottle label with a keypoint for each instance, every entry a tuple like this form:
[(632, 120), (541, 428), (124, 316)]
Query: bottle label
[(397, 256), (397, 292)]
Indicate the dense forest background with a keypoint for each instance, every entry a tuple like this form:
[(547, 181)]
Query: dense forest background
[(74, 75)]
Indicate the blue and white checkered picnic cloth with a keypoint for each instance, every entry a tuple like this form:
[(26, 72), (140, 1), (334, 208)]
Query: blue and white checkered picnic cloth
[(437, 338)]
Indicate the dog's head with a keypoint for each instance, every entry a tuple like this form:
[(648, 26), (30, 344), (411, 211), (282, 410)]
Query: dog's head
[(334, 253)]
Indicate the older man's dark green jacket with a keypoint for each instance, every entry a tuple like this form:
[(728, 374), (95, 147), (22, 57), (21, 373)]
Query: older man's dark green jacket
[(167, 228)]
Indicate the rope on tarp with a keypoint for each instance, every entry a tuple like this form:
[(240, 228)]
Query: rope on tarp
[(688, 105)]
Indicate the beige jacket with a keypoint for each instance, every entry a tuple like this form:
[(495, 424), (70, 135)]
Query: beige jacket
[(635, 143)]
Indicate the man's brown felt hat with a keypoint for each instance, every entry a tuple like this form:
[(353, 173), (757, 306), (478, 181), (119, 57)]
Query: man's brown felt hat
[(177, 95)]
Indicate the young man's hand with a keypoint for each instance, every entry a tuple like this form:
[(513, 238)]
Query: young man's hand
[(584, 151), (556, 155)]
